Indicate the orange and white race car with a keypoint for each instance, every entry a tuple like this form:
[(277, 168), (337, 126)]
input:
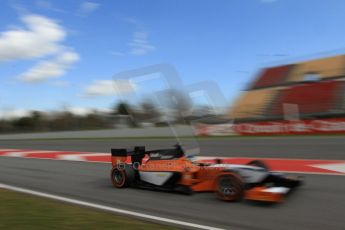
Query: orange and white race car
[(172, 170)]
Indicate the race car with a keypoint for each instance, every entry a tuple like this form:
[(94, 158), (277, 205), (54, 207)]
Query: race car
[(173, 170)]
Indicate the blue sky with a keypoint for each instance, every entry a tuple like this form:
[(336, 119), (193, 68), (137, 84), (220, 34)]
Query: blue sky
[(64, 53)]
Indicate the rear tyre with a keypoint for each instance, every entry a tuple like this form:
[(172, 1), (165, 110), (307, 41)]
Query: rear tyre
[(122, 177), (258, 163), (229, 187)]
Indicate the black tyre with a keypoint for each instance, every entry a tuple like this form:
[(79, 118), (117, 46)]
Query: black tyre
[(229, 187), (122, 177), (258, 163)]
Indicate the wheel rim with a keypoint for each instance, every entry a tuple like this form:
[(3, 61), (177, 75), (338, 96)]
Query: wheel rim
[(226, 187), (118, 177)]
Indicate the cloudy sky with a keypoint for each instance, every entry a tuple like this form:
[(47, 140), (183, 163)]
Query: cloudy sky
[(64, 53)]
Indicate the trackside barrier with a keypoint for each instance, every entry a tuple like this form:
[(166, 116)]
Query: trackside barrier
[(317, 126)]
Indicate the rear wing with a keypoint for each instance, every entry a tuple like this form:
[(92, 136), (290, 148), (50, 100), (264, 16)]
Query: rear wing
[(119, 156)]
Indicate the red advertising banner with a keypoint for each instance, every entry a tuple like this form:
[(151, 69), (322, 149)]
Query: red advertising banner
[(319, 126)]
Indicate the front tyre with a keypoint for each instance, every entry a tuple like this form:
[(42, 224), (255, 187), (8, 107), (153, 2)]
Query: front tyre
[(229, 187)]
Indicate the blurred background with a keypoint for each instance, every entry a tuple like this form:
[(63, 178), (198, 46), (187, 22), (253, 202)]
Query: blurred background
[(81, 77), (58, 59)]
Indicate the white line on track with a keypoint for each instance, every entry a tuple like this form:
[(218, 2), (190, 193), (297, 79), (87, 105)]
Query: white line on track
[(338, 167), (80, 157), (107, 208), (24, 153)]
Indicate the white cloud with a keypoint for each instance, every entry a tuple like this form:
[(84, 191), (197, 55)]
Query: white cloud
[(77, 110), (47, 5), (109, 87), (45, 70), (10, 113), (139, 44), (14, 113), (18, 7), (80, 110), (88, 7), (43, 4), (41, 37)]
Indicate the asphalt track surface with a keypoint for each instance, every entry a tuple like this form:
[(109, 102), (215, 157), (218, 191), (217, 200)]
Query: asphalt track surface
[(319, 204)]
